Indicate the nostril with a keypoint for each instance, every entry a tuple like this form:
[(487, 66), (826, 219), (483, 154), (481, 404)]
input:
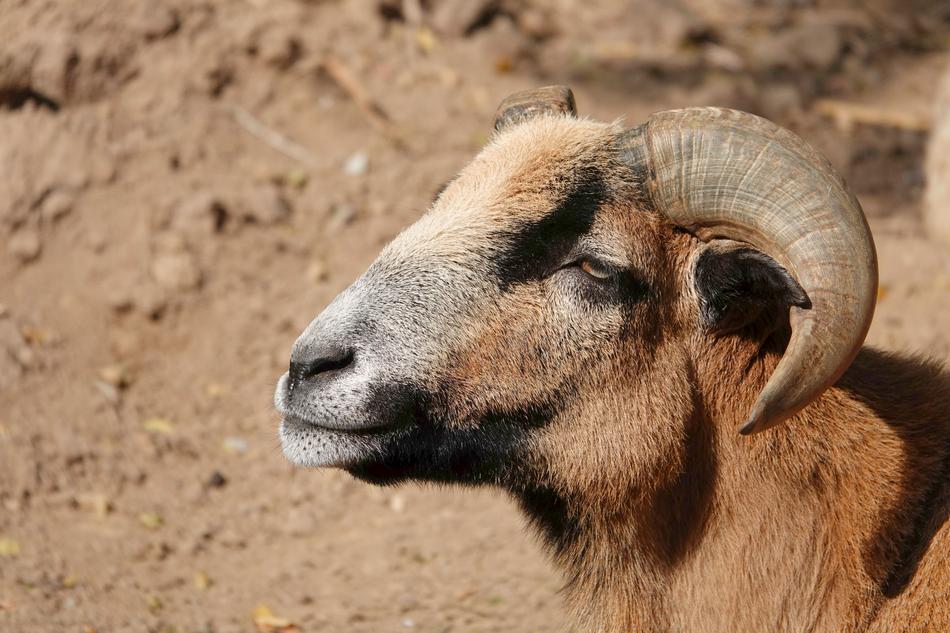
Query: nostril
[(322, 365), (325, 363)]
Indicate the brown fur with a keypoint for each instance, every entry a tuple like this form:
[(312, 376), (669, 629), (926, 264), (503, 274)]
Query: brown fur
[(622, 415), (685, 525)]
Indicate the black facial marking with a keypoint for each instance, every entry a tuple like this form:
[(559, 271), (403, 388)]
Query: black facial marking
[(741, 287), (535, 250), (397, 405), (483, 453), (623, 288), (549, 514)]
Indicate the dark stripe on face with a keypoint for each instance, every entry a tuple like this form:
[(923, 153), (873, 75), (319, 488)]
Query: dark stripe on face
[(538, 248), (485, 453)]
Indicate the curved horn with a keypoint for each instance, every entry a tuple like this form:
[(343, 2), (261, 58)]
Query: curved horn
[(726, 174), (529, 103)]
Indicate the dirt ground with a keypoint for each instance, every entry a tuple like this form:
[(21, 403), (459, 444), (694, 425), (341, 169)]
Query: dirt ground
[(184, 184)]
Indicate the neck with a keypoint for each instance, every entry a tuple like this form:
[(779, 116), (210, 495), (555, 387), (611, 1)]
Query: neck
[(808, 527)]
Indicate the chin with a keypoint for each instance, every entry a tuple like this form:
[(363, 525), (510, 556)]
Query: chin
[(311, 446)]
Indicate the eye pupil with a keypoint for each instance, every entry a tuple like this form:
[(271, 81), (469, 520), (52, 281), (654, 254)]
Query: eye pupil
[(593, 269)]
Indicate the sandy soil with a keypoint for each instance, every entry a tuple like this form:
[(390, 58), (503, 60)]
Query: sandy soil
[(184, 184)]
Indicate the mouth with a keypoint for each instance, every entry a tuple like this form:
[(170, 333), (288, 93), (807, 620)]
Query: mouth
[(314, 446), (325, 439)]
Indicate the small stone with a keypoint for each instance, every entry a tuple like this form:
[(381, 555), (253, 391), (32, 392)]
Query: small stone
[(230, 537), (536, 23), (397, 503), (160, 426), (202, 581), (119, 298), (9, 548), (279, 48), (57, 205), (297, 178), (317, 271), (235, 445), (25, 356), (153, 603), (201, 214), (455, 18), (25, 245), (216, 389), (155, 21), (176, 271), (98, 504), (54, 64), (265, 205), (116, 375), (109, 392), (151, 520), (217, 480), (340, 216), (357, 164)]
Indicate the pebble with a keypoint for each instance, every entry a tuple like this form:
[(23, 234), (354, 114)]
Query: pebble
[(397, 503), (50, 74), (57, 205), (116, 375), (217, 480), (109, 392), (340, 216), (317, 271), (201, 213), (357, 164), (235, 444), (25, 245), (265, 205), (279, 48), (176, 271), (154, 21)]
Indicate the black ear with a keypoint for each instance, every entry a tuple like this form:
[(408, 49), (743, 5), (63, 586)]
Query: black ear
[(740, 287)]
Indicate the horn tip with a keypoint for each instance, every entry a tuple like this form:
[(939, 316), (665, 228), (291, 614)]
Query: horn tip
[(749, 428), (517, 107), (760, 419)]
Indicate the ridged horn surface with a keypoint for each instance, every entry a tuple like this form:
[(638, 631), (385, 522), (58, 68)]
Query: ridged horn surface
[(526, 104), (725, 174)]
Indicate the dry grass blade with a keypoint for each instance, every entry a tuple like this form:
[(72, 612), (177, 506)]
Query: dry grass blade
[(273, 138), (370, 108)]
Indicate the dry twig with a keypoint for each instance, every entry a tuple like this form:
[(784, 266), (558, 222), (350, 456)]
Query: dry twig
[(846, 115)]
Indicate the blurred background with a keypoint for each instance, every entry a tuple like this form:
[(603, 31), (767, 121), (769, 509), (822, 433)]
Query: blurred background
[(184, 184)]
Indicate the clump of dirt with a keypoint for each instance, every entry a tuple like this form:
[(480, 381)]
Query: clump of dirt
[(183, 185)]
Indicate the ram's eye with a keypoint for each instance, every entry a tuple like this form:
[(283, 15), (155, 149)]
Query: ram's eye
[(595, 269)]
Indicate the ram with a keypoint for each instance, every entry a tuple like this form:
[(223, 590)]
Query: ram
[(651, 337)]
